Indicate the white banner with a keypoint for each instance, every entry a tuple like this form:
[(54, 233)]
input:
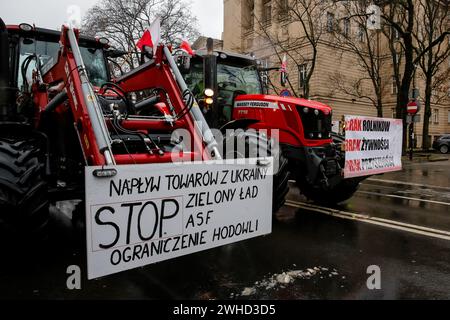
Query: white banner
[(372, 146), (149, 213)]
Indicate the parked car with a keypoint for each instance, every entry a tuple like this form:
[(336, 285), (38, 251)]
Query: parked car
[(442, 144)]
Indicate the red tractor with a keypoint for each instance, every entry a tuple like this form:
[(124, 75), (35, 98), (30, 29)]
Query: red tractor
[(314, 154), (60, 111)]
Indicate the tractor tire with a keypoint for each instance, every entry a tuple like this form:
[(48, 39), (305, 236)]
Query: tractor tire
[(340, 193), (280, 177), (24, 204)]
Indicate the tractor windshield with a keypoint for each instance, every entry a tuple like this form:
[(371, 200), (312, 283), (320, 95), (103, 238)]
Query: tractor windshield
[(238, 78), (235, 76), (231, 79), (47, 52)]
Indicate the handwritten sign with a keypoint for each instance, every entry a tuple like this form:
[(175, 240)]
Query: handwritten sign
[(372, 146), (150, 213)]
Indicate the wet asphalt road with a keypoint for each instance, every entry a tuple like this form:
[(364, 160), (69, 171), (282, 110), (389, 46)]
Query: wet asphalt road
[(326, 257)]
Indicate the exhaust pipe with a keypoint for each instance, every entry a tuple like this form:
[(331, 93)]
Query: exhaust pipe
[(4, 56), (7, 93)]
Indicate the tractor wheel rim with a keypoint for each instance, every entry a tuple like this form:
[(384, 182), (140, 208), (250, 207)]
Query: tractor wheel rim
[(444, 149)]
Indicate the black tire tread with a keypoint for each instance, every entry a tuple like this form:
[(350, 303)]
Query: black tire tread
[(24, 205)]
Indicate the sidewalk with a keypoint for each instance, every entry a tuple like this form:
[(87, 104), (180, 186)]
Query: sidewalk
[(421, 156)]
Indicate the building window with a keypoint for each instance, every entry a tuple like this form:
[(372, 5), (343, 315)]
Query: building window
[(394, 89), (267, 11), (283, 9), (250, 14), (346, 27), (361, 33), (436, 116), (330, 22), (302, 74)]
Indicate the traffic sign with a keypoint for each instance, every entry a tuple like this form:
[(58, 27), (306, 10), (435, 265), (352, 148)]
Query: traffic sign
[(413, 107), (285, 93)]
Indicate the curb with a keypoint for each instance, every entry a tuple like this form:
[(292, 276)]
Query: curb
[(437, 159)]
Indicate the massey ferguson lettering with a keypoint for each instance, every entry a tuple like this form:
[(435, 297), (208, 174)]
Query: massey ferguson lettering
[(256, 104)]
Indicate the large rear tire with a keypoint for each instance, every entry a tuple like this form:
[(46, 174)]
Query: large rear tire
[(255, 145), (24, 204)]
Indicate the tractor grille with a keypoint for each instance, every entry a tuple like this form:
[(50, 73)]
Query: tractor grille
[(316, 124)]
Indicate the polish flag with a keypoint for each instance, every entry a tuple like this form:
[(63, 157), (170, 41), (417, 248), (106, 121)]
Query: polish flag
[(284, 64), (186, 47), (151, 36)]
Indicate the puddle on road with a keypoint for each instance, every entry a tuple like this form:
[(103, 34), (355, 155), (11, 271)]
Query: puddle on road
[(284, 279)]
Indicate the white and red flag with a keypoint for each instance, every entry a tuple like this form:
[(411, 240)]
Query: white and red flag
[(186, 47), (284, 64), (151, 36)]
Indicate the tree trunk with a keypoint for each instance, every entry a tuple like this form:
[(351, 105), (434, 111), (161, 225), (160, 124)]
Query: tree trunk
[(379, 109), (379, 104), (426, 143), (403, 94)]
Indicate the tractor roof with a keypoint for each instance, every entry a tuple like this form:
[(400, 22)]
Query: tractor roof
[(50, 35), (250, 59)]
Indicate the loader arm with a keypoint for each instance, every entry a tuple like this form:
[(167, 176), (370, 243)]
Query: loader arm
[(70, 71)]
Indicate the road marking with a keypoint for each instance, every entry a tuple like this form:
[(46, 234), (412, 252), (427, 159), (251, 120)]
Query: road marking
[(404, 198), (380, 186), (412, 228), (397, 196), (408, 184)]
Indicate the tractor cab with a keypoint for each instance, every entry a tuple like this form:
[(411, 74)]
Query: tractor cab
[(236, 75), (34, 48)]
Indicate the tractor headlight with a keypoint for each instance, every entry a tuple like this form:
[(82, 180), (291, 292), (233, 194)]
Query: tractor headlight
[(209, 93), (209, 101), (316, 112), (305, 110)]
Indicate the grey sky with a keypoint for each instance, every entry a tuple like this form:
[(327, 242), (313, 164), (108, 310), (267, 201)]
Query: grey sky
[(52, 14)]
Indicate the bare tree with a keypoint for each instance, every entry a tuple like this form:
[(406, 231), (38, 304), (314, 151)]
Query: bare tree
[(434, 21), (365, 46), (301, 48), (124, 21), (401, 18)]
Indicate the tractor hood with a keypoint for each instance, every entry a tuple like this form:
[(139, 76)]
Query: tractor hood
[(287, 100)]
